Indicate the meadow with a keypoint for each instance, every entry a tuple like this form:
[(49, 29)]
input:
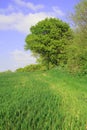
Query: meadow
[(48, 100)]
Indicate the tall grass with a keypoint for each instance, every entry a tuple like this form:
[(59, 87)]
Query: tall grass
[(52, 100)]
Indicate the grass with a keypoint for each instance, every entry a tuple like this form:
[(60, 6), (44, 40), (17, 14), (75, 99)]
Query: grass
[(52, 100)]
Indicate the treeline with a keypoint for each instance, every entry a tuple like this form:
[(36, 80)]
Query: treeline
[(31, 68), (56, 44), (77, 60)]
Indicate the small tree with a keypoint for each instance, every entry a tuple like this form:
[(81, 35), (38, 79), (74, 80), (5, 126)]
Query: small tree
[(49, 39)]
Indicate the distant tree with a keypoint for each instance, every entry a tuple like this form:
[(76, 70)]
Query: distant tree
[(49, 39), (79, 16), (78, 51)]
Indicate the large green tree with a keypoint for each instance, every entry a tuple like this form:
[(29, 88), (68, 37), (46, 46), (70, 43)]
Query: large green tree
[(49, 39)]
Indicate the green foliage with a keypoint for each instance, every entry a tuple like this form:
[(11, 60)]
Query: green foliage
[(80, 16), (77, 56), (20, 70), (31, 68), (49, 39), (78, 50), (52, 100)]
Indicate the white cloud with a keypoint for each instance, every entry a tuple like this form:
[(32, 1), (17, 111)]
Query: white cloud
[(57, 11), (16, 59), (15, 18), (22, 58), (28, 5), (20, 21)]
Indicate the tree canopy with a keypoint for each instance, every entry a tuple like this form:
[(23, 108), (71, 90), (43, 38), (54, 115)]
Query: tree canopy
[(78, 57), (48, 39)]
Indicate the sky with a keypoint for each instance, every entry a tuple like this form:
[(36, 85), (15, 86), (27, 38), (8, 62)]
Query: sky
[(16, 18)]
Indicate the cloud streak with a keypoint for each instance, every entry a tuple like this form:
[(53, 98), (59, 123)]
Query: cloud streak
[(10, 8), (28, 5), (56, 10)]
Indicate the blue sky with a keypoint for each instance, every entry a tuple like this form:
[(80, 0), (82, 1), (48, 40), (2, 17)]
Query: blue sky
[(16, 18)]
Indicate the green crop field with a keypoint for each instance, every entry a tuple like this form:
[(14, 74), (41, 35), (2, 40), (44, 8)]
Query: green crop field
[(49, 100)]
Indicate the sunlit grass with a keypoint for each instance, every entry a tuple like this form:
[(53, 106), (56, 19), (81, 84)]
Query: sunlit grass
[(52, 100)]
